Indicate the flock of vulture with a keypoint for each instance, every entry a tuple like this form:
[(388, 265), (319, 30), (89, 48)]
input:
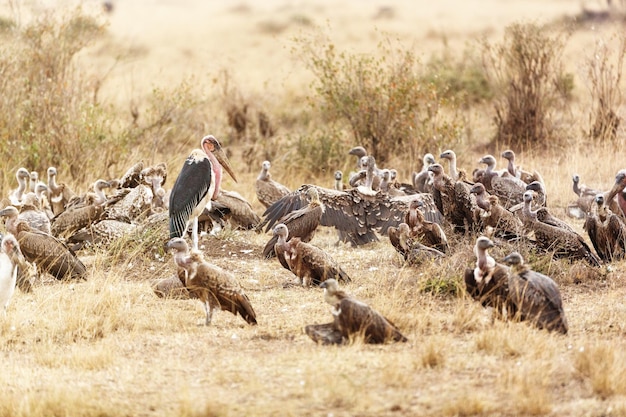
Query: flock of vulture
[(47, 224)]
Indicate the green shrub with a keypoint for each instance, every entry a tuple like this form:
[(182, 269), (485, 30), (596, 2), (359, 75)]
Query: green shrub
[(527, 77)]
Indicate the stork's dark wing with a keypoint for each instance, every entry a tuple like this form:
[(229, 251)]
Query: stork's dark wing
[(190, 188)]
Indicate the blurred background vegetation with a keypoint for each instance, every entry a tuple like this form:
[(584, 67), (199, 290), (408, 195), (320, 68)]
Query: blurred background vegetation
[(398, 107)]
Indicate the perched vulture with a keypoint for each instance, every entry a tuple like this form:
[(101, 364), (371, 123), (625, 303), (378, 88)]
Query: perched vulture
[(422, 181), (23, 176), (583, 203), (268, 191), (536, 297), (428, 233), (505, 224), (240, 213), (507, 188), (352, 319), (309, 263), (31, 213), (215, 287)]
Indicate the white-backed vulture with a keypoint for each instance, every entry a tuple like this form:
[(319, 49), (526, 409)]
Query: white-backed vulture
[(606, 231), (517, 171), (59, 194), (429, 233), (562, 243), (422, 181), (240, 213), (16, 195), (196, 185), (454, 200), (407, 243), (212, 285), (155, 177), (536, 297), (309, 263), (487, 282), (352, 319), (508, 188), (267, 190), (505, 224), (32, 213), (47, 252)]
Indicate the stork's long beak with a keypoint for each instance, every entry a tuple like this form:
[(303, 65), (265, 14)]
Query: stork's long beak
[(223, 160)]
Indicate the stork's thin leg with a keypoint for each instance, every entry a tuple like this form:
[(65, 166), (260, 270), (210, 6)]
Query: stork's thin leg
[(194, 233), (207, 308)]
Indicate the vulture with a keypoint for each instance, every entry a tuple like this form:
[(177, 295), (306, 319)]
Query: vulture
[(429, 233), (408, 245), (352, 319), (196, 185), (357, 214), (359, 152), (505, 224), (422, 181), (536, 297), (240, 213), (508, 188), (309, 263), (301, 223), (46, 251), (155, 177), (454, 200), (81, 213), (618, 190), (542, 214), (561, 242), (213, 286), (517, 171), (10, 258), (583, 203), (488, 282), (59, 195), (339, 185), (268, 191), (606, 231), (32, 213), (452, 168), (23, 176)]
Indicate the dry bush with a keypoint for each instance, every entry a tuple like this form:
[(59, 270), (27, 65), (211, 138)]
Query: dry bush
[(526, 74), (604, 75), (381, 99)]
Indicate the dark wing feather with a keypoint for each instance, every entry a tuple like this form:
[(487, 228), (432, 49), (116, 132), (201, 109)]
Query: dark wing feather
[(51, 255), (321, 265), (190, 188)]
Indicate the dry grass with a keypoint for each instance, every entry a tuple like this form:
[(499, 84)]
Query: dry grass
[(110, 347)]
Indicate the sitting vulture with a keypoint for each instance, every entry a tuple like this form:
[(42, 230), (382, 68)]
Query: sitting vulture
[(450, 155), (352, 319), (10, 258), (606, 231), (240, 213), (488, 282), (309, 263), (536, 297), (301, 223), (31, 213), (562, 243), (268, 191), (408, 245), (215, 287), (46, 251)]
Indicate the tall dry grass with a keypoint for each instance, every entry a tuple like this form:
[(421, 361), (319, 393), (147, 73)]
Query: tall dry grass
[(109, 346)]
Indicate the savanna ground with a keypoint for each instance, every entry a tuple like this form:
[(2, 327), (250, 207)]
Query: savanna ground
[(110, 347)]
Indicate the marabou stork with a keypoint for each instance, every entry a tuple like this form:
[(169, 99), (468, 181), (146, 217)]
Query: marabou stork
[(197, 184)]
